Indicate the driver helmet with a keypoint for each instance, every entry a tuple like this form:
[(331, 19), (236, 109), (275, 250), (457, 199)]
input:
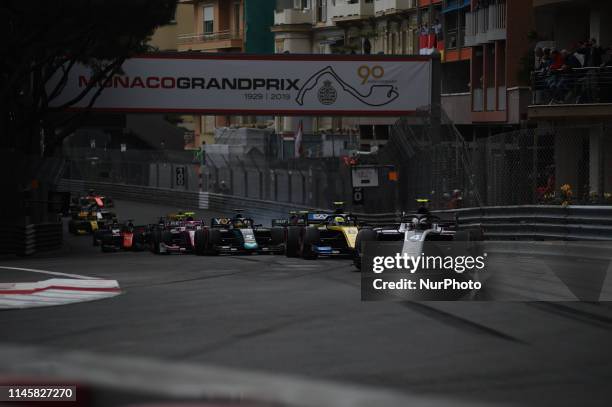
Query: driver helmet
[(339, 220)]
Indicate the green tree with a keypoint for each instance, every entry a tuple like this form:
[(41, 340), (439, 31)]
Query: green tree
[(45, 39)]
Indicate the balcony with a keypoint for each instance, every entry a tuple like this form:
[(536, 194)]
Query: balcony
[(577, 93), (486, 24), (346, 10), (293, 16), (382, 7), (210, 41)]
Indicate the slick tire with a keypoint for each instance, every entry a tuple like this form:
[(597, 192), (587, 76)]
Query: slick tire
[(364, 235), (310, 237), (71, 228), (138, 245), (200, 239), (292, 241), (106, 245), (155, 241), (277, 236), (214, 240)]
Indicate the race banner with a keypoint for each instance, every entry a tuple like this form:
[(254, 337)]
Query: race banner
[(267, 85)]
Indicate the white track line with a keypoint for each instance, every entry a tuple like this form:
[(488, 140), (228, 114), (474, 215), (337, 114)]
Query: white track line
[(52, 273)]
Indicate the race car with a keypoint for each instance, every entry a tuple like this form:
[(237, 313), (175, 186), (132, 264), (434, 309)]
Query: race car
[(181, 216), (88, 220), (115, 237), (414, 230), (174, 236), (87, 201), (321, 234), (239, 235)]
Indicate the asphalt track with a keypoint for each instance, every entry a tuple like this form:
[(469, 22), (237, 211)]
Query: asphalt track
[(289, 316)]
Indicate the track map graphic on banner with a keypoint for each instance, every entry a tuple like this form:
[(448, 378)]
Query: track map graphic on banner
[(272, 84)]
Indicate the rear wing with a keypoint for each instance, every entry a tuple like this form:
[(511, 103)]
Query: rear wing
[(316, 218), (280, 222), (220, 222)]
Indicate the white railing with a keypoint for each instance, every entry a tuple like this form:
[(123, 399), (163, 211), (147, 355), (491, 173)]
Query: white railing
[(486, 24), (207, 37), (391, 6), (358, 9), (293, 16)]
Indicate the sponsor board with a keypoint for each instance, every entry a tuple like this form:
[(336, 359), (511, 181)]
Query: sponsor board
[(272, 84)]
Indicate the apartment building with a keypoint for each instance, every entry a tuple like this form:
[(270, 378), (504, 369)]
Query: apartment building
[(580, 118), (227, 26)]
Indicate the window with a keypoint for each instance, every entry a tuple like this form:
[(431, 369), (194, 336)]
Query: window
[(301, 4), (321, 10), (237, 25), (208, 19)]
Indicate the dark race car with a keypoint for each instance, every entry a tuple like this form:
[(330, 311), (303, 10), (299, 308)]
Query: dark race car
[(115, 237), (98, 201), (238, 235), (89, 219), (174, 236), (321, 234)]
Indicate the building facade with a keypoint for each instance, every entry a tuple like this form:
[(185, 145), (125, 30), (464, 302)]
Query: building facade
[(227, 26)]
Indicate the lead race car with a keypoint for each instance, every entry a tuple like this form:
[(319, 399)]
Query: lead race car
[(310, 235), (414, 230), (238, 235)]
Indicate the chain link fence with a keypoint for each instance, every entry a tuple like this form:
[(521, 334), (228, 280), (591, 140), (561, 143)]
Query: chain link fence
[(422, 159)]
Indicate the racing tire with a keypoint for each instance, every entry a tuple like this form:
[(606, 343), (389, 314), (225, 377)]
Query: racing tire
[(155, 241), (292, 241), (106, 245), (200, 240), (138, 244), (71, 228), (277, 236), (214, 239), (310, 237), (364, 235)]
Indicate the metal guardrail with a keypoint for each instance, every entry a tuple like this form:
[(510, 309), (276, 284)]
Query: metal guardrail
[(30, 239), (540, 222), (530, 222), (572, 86)]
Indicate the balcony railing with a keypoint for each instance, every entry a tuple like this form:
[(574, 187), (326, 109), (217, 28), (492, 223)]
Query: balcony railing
[(486, 24), (352, 9), (573, 86), (382, 7), (293, 16), (209, 37)]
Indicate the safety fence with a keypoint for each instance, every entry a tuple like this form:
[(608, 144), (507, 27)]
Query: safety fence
[(30, 239)]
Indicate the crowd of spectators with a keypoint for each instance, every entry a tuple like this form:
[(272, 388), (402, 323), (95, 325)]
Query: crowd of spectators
[(582, 74)]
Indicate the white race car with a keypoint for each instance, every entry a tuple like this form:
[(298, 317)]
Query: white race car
[(414, 230)]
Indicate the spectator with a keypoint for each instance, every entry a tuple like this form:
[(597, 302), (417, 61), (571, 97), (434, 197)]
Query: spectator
[(595, 54), (539, 59), (223, 188)]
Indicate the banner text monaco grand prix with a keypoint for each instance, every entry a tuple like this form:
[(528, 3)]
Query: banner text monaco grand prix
[(272, 84)]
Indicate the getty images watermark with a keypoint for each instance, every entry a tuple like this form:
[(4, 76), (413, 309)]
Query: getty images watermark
[(412, 264), (439, 271)]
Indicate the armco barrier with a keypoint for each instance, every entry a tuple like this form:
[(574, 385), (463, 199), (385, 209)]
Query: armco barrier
[(29, 239), (539, 222), (531, 222)]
